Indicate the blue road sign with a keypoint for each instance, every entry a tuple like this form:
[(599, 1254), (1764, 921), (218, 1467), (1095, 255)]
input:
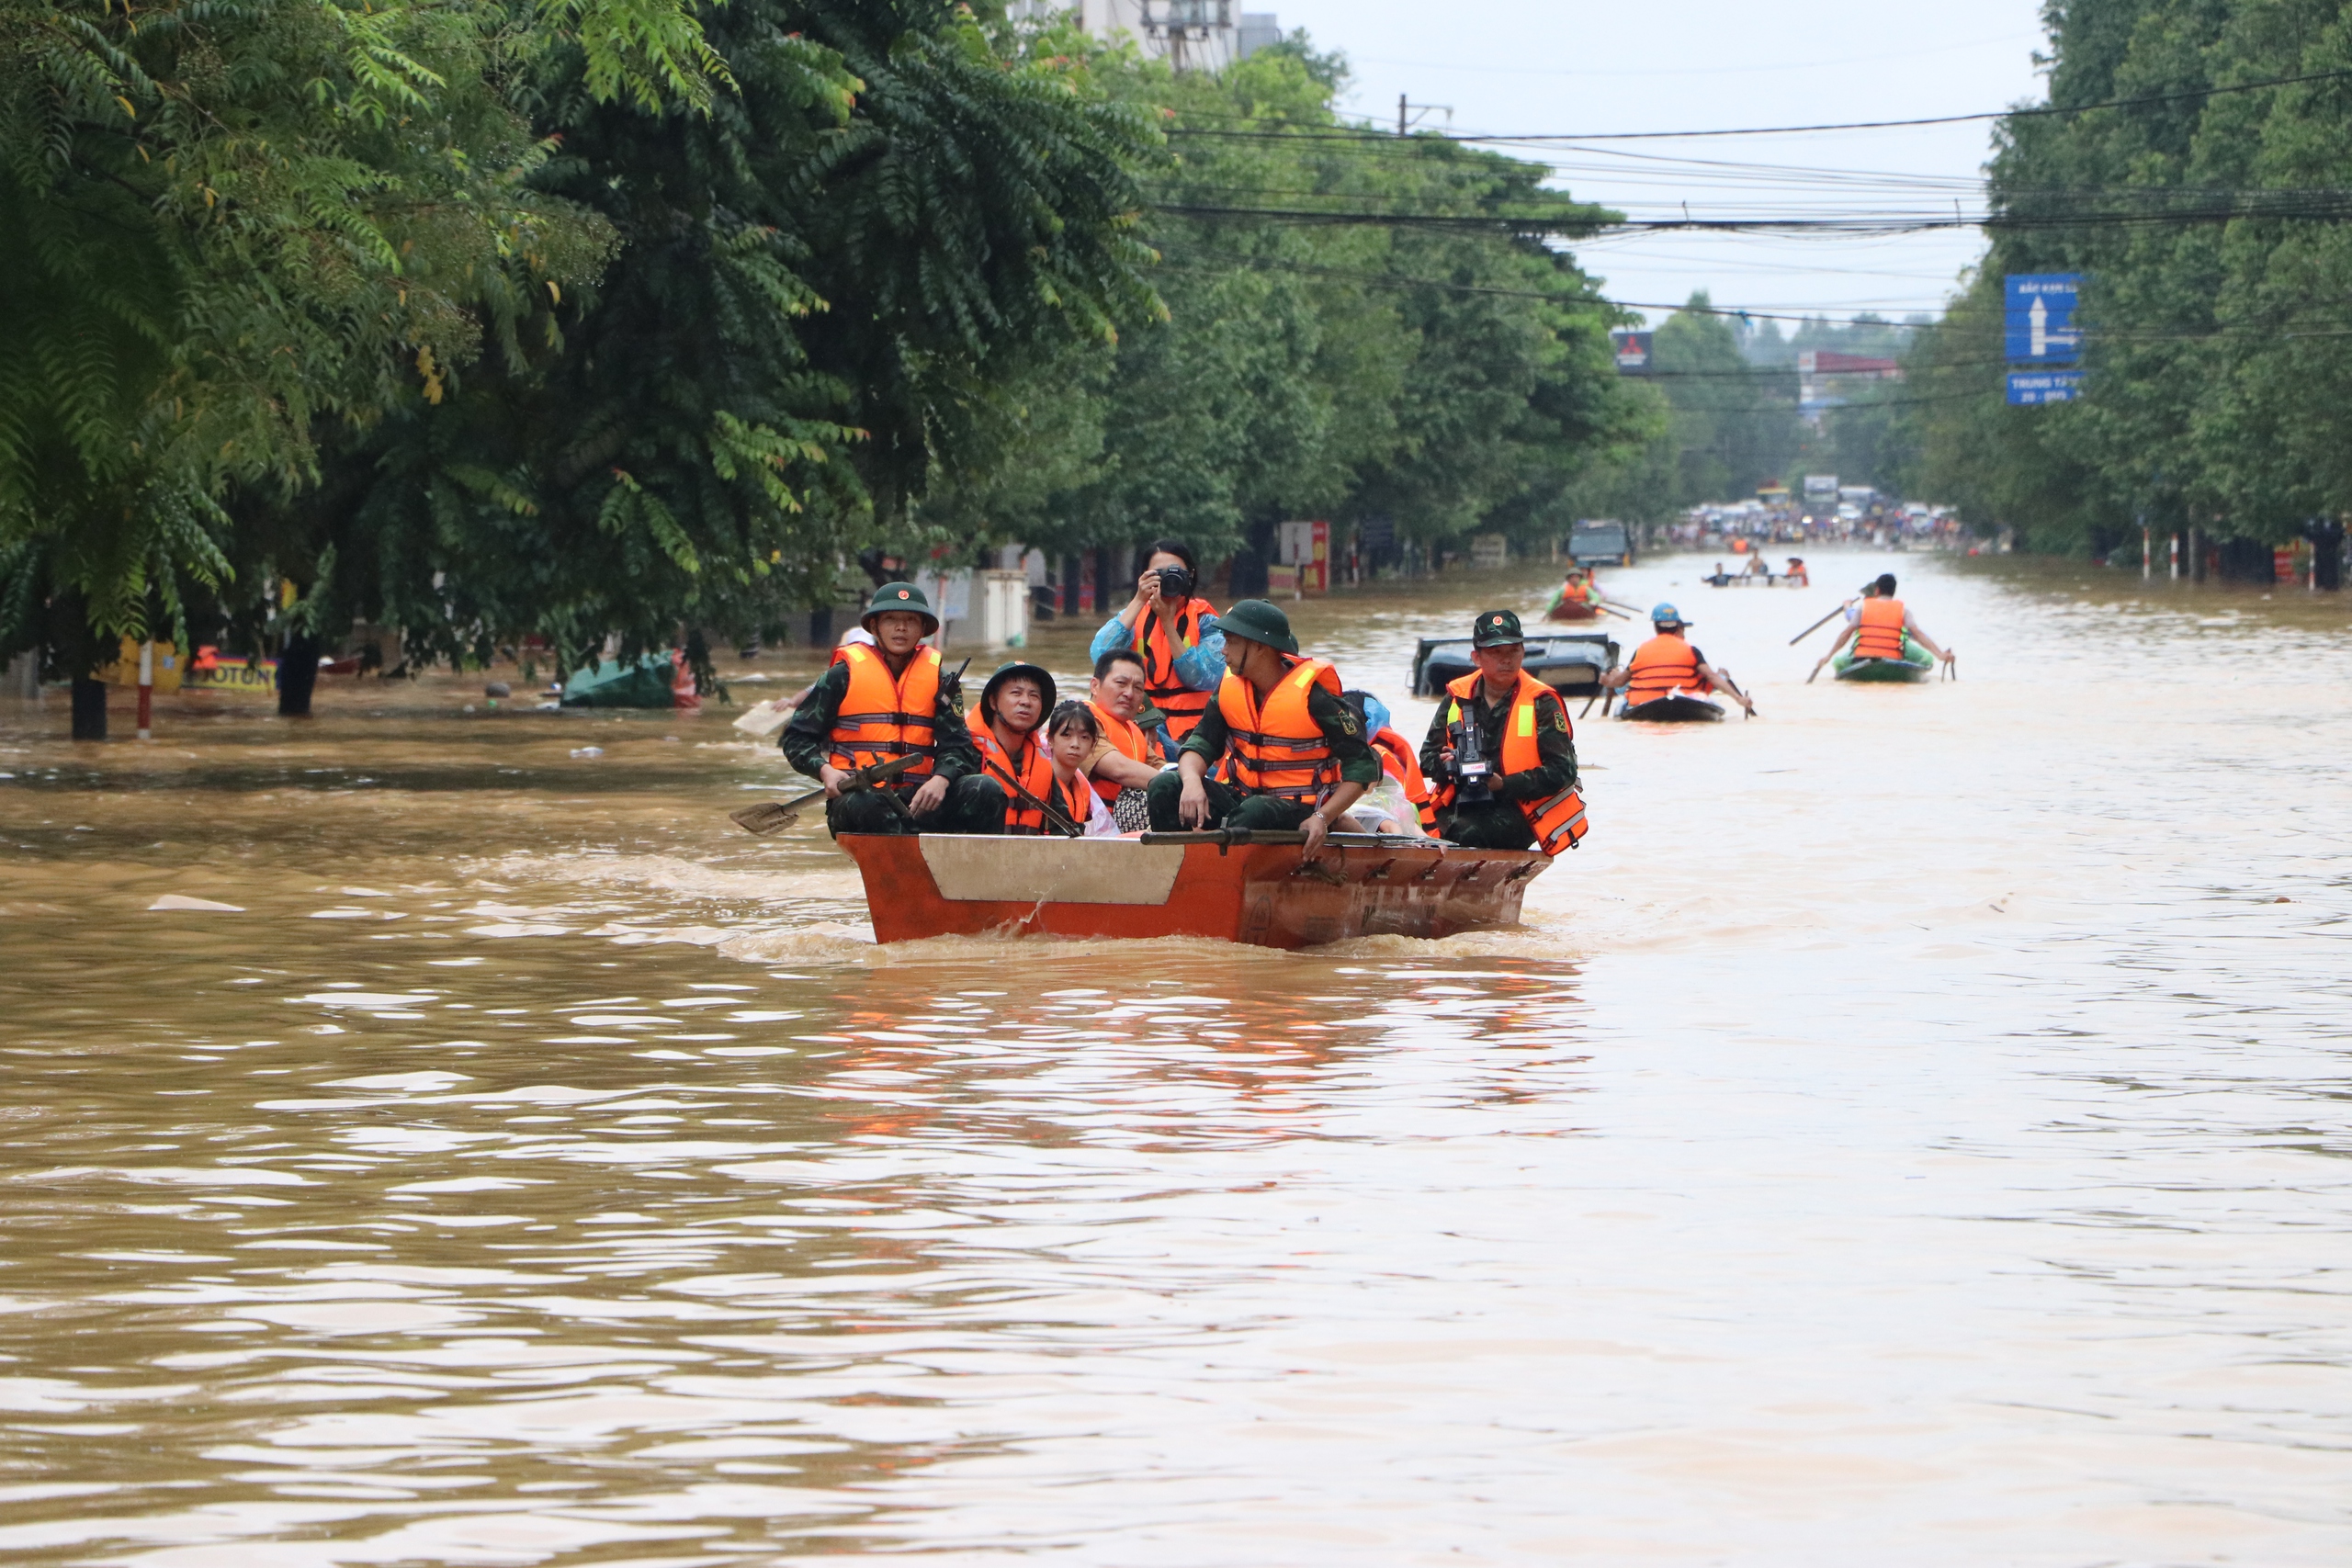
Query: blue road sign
[(2027, 387), (2038, 307)]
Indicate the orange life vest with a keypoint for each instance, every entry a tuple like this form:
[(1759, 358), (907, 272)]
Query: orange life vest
[(883, 717), (1665, 663), (1279, 750), (1127, 739), (1559, 821), (1169, 693), (1035, 773), (1878, 629), (1405, 767), (1077, 802)]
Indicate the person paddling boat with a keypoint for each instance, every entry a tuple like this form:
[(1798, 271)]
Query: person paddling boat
[(1882, 628), (880, 702), (1669, 663)]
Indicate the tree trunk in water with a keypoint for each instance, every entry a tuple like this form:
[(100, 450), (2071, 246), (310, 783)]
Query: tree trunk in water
[(298, 672), (89, 708)]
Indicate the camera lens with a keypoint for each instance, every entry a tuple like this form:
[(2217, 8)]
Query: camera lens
[(1175, 582)]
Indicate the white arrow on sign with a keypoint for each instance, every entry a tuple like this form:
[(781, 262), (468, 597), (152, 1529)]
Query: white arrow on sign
[(2039, 318)]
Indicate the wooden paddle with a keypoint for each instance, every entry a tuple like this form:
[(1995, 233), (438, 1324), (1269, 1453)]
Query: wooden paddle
[(1745, 707), (774, 815), (1821, 622)]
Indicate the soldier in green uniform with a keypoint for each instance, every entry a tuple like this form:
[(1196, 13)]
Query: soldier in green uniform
[(1289, 753), (1500, 646), (904, 704)]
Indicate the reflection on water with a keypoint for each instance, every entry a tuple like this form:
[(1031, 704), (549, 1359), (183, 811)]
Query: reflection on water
[(1915, 1117)]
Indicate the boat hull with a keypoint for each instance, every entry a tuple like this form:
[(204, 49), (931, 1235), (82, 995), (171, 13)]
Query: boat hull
[(1677, 709), (1569, 611), (1885, 671), (1263, 895)]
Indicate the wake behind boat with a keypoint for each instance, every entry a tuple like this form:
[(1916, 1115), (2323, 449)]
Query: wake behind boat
[(1228, 885)]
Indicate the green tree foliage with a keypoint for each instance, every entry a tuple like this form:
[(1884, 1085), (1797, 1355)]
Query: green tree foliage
[(2218, 375), (224, 225), (1356, 327), (825, 291)]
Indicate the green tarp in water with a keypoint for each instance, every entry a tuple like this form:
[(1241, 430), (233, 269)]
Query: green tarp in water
[(644, 685)]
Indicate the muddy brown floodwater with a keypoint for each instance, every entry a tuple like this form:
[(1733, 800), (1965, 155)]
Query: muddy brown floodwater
[(1912, 1129)]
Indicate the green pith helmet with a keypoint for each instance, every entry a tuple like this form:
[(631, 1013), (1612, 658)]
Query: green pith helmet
[(1496, 628), (1254, 620), (903, 597), (1007, 671)]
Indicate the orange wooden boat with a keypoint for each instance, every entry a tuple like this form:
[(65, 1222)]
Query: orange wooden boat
[(1572, 610), (1233, 887)]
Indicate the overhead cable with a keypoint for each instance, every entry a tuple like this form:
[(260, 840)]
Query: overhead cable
[(1472, 139)]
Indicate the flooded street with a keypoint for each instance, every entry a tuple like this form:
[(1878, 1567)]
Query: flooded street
[(1911, 1128)]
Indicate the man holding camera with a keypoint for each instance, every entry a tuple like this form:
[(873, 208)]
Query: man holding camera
[(1501, 755), (1175, 632)]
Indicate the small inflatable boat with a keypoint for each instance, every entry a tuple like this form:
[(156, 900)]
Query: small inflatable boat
[(1675, 707)]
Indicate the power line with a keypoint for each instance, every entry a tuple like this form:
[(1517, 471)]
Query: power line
[(2296, 207), (1472, 139)]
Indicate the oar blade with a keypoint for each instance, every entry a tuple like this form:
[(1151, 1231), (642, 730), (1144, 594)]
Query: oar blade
[(768, 817)]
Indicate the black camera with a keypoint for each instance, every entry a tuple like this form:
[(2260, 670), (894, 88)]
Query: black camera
[(1175, 585)]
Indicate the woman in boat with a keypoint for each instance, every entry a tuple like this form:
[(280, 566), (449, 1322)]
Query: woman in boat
[(1879, 627), (1667, 663), (1072, 733), (1796, 576), (1176, 632), (1005, 723)]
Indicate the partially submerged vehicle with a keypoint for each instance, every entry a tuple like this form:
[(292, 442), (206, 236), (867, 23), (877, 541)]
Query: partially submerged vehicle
[(1600, 544), (1228, 885), (1571, 663)]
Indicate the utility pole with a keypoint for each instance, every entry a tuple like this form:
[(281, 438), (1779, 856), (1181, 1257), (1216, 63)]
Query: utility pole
[(1412, 114)]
